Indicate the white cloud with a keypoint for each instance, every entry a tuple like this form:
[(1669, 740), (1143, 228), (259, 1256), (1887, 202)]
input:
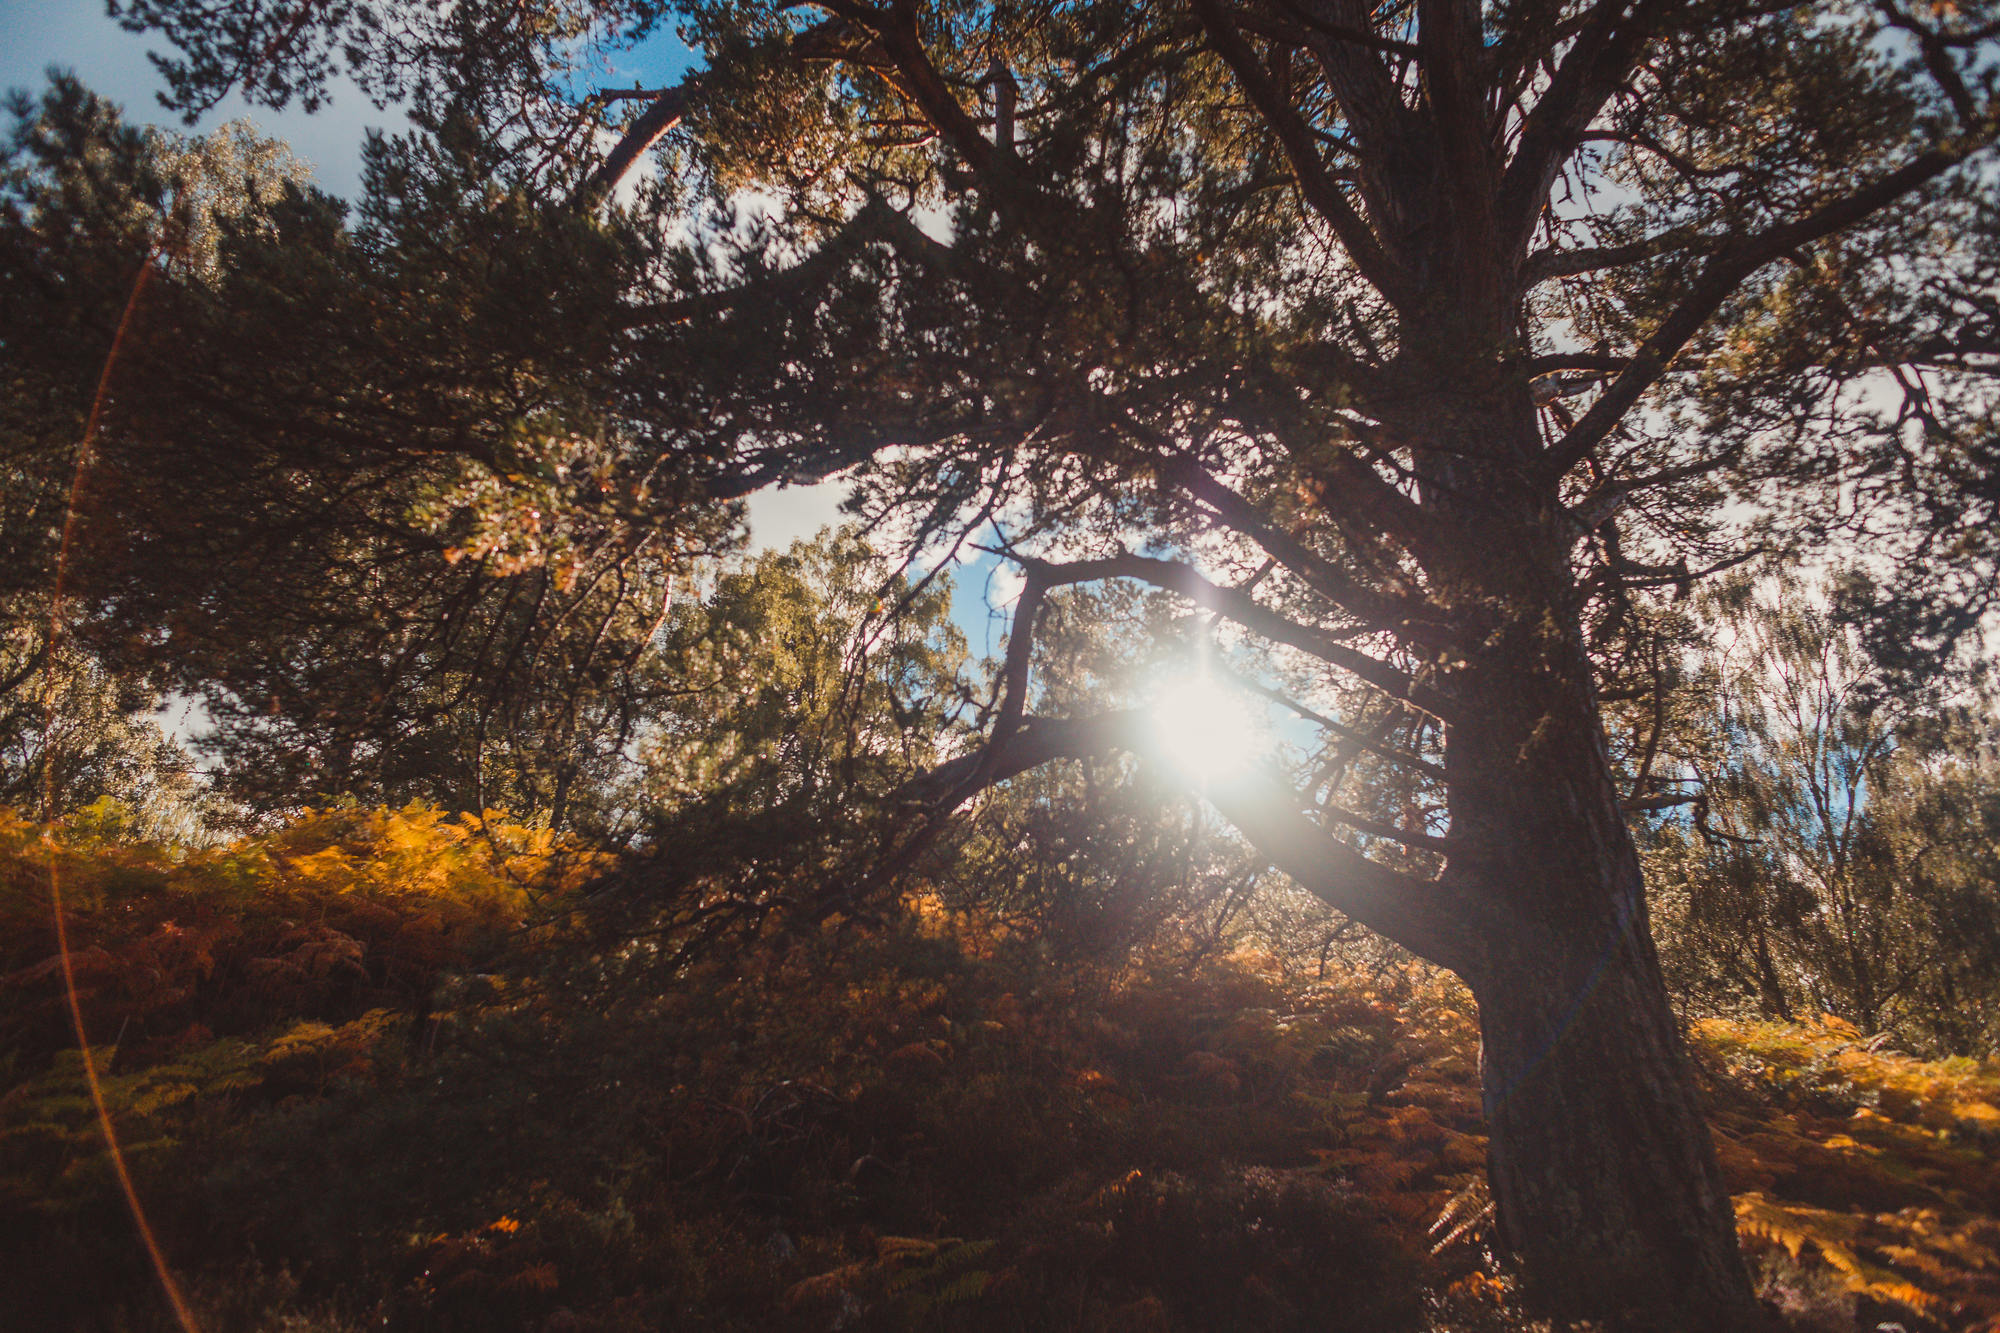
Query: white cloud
[(1003, 586), (780, 516)]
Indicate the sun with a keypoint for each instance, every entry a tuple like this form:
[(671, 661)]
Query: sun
[(1204, 729)]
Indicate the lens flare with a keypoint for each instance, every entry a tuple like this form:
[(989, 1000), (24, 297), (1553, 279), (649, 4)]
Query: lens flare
[(1205, 729), (85, 456)]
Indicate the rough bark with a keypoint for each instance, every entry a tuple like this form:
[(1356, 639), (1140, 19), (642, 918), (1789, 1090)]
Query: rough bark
[(1602, 1170), (1603, 1173), (1605, 1185)]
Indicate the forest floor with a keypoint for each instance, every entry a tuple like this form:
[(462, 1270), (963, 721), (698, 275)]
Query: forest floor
[(365, 1076)]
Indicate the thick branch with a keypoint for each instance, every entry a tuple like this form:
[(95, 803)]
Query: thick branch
[(1720, 278), (875, 220), (1560, 362), (1546, 264), (1351, 487), (1341, 42), (1321, 192), (1377, 828), (1360, 739), (898, 46), (1365, 492), (670, 106), (1938, 60), (1252, 615), (1603, 502), (1037, 741), (1020, 652), (1606, 48), (667, 111), (902, 42), (1416, 913)]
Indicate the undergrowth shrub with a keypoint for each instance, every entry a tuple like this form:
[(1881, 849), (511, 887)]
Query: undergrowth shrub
[(1875, 1169), (220, 985), (453, 1121)]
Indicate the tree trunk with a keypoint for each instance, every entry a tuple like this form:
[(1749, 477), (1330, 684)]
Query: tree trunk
[(1769, 985), (1604, 1179), (1603, 1173)]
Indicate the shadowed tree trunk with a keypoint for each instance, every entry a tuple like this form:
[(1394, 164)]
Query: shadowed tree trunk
[(1603, 1178)]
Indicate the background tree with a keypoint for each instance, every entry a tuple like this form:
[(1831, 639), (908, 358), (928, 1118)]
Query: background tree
[(1843, 863), (355, 536), (71, 734), (774, 782), (790, 714), (86, 205), (1423, 342)]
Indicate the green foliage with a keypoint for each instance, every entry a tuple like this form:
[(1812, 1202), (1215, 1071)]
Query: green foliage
[(72, 735), (86, 204), (807, 675), (84, 201), (359, 488)]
